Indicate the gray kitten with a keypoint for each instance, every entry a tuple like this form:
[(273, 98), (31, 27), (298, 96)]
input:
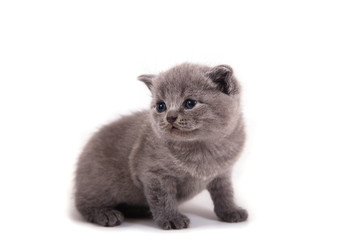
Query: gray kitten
[(147, 163)]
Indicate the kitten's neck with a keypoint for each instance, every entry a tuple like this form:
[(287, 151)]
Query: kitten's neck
[(205, 159)]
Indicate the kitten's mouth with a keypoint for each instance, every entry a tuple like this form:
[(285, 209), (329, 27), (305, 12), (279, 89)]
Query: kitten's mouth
[(177, 130), (174, 129)]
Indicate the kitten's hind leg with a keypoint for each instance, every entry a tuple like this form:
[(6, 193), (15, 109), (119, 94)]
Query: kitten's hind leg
[(107, 217)]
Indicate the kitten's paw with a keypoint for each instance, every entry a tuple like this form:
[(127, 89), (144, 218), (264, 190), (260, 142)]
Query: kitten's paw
[(108, 217), (236, 215), (175, 222)]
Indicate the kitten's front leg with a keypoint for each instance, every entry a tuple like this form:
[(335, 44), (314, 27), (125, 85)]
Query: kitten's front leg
[(222, 195), (160, 193)]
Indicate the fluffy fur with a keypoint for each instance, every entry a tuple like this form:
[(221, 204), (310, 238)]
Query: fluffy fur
[(147, 163)]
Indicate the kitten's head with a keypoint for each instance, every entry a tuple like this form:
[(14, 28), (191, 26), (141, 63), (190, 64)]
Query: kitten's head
[(194, 102)]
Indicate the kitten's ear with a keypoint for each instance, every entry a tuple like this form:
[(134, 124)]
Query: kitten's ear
[(222, 75), (147, 79)]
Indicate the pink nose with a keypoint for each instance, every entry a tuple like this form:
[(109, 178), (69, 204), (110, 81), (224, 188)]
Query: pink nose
[(171, 116), (171, 119)]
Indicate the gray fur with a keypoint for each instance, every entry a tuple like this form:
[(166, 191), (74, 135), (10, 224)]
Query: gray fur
[(143, 161)]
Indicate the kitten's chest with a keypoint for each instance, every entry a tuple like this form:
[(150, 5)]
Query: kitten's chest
[(204, 161), (189, 186)]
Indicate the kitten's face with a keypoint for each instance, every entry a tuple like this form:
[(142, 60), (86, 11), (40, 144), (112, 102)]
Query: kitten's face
[(187, 105)]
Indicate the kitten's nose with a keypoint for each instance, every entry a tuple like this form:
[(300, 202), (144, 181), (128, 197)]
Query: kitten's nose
[(171, 117)]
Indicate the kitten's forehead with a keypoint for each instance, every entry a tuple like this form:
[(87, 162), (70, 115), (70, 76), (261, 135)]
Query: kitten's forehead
[(182, 81)]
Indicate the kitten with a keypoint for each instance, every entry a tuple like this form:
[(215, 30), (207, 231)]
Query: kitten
[(147, 163)]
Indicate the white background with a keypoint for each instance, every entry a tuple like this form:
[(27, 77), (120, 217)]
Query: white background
[(68, 67)]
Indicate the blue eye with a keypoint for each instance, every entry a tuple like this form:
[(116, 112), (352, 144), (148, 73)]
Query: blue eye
[(189, 104), (161, 107)]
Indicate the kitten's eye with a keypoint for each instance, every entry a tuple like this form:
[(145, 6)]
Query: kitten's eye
[(189, 104), (161, 107)]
